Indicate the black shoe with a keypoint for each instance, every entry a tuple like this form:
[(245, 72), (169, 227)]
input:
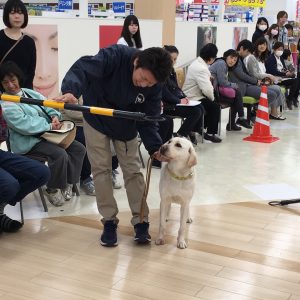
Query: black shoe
[(279, 118), (243, 123), (156, 164), (233, 127), (193, 138), (213, 138), (109, 235), (142, 235), (9, 225), (296, 103), (289, 104)]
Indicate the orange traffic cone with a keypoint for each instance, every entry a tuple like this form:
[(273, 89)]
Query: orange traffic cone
[(261, 132)]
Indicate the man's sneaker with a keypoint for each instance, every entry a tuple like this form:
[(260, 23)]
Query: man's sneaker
[(55, 198), (142, 235), (109, 235), (88, 187), (244, 123), (115, 180), (233, 127), (67, 192)]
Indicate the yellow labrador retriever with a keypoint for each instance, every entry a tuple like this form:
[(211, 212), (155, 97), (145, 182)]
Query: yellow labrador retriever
[(177, 184)]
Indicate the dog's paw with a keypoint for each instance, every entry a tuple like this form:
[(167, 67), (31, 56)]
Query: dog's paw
[(189, 220), (182, 244), (160, 242)]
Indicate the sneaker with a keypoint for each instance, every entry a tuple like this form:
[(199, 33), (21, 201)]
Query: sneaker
[(55, 198), (109, 235), (212, 137), (88, 187), (115, 181), (67, 192), (233, 127), (156, 164), (243, 123), (142, 235)]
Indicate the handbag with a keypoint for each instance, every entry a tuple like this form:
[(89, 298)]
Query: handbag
[(3, 128), (227, 92), (62, 137)]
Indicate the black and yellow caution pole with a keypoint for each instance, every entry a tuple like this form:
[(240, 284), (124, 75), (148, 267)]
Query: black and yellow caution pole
[(138, 116)]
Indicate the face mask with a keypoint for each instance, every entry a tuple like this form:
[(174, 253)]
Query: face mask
[(274, 31), (278, 53), (262, 27)]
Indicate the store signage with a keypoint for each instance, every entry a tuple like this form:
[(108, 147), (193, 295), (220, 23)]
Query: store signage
[(65, 4), (119, 7), (250, 3), (200, 1)]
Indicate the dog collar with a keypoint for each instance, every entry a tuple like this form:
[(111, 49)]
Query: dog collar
[(189, 176)]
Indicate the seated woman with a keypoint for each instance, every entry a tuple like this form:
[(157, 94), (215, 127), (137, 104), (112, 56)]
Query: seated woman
[(26, 122), (219, 70), (272, 36), (19, 176), (255, 64), (198, 86), (275, 65), (173, 95)]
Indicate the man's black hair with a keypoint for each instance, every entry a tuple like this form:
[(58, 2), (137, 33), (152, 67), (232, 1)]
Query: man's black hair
[(246, 44), (289, 27), (277, 45), (14, 6), (208, 52), (11, 69), (230, 52), (171, 49), (157, 60), (281, 14)]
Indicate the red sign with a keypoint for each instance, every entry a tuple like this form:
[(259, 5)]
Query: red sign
[(200, 1)]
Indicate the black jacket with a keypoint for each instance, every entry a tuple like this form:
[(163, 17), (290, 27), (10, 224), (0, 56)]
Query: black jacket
[(271, 66), (257, 34), (105, 80), (172, 93)]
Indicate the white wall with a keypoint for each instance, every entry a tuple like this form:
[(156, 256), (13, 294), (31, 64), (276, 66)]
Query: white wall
[(274, 6), (78, 36), (186, 37)]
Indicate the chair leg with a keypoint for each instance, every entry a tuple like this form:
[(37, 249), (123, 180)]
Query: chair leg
[(21, 212), (219, 129), (43, 199), (202, 135), (75, 190)]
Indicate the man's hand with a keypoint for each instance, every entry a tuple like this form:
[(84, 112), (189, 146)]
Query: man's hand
[(66, 98), (158, 156), (184, 101)]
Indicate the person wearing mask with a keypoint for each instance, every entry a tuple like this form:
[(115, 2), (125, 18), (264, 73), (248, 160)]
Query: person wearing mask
[(275, 65), (198, 86), (122, 78), (255, 64), (131, 35), (272, 36), (16, 46), (219, 70), (282, 17), (261, 29)]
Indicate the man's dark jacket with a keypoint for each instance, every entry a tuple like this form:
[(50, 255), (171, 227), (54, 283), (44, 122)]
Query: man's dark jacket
[(105, 80)]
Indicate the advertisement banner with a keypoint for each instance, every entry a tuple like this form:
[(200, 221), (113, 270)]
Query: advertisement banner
[(249, 3)]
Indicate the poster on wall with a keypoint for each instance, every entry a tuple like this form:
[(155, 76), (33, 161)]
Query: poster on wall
[(206, 35), (239, 34), (46, 79), (109, 35)]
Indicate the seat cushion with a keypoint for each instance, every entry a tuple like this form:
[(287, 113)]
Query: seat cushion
[(249, 100)]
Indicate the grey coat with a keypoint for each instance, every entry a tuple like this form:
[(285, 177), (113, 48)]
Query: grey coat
[(241, 76)]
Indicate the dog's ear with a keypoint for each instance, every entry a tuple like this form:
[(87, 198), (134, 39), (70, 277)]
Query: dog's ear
[(192, 161)]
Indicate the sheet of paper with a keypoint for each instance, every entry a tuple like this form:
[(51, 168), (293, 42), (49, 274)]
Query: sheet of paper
[(191, 103)]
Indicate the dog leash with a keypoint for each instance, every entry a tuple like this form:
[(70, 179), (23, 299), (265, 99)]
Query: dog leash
[(147, 185)]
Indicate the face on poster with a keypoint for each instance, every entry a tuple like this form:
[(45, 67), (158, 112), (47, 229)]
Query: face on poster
[(206, 35), (46, 79), (239, 34)]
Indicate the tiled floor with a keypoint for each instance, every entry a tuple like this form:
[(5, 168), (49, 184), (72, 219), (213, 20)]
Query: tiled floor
[(232, 171)]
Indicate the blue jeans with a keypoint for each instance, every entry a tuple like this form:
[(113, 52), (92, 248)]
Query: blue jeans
[(19, 176)]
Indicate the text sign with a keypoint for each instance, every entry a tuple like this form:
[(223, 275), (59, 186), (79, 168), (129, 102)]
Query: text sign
[(65, 4), (250, 3), (119, 7)]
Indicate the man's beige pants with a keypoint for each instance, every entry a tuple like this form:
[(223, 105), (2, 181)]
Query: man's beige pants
[(99, 154)]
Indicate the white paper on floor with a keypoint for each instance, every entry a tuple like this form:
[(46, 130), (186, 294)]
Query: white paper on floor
[(280, 191)]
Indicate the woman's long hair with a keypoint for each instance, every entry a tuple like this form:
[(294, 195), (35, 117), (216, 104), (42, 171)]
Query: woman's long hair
[(263, 56), (132, 19)]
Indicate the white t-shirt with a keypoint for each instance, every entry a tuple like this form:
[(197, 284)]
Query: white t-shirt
[(121, 41)]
